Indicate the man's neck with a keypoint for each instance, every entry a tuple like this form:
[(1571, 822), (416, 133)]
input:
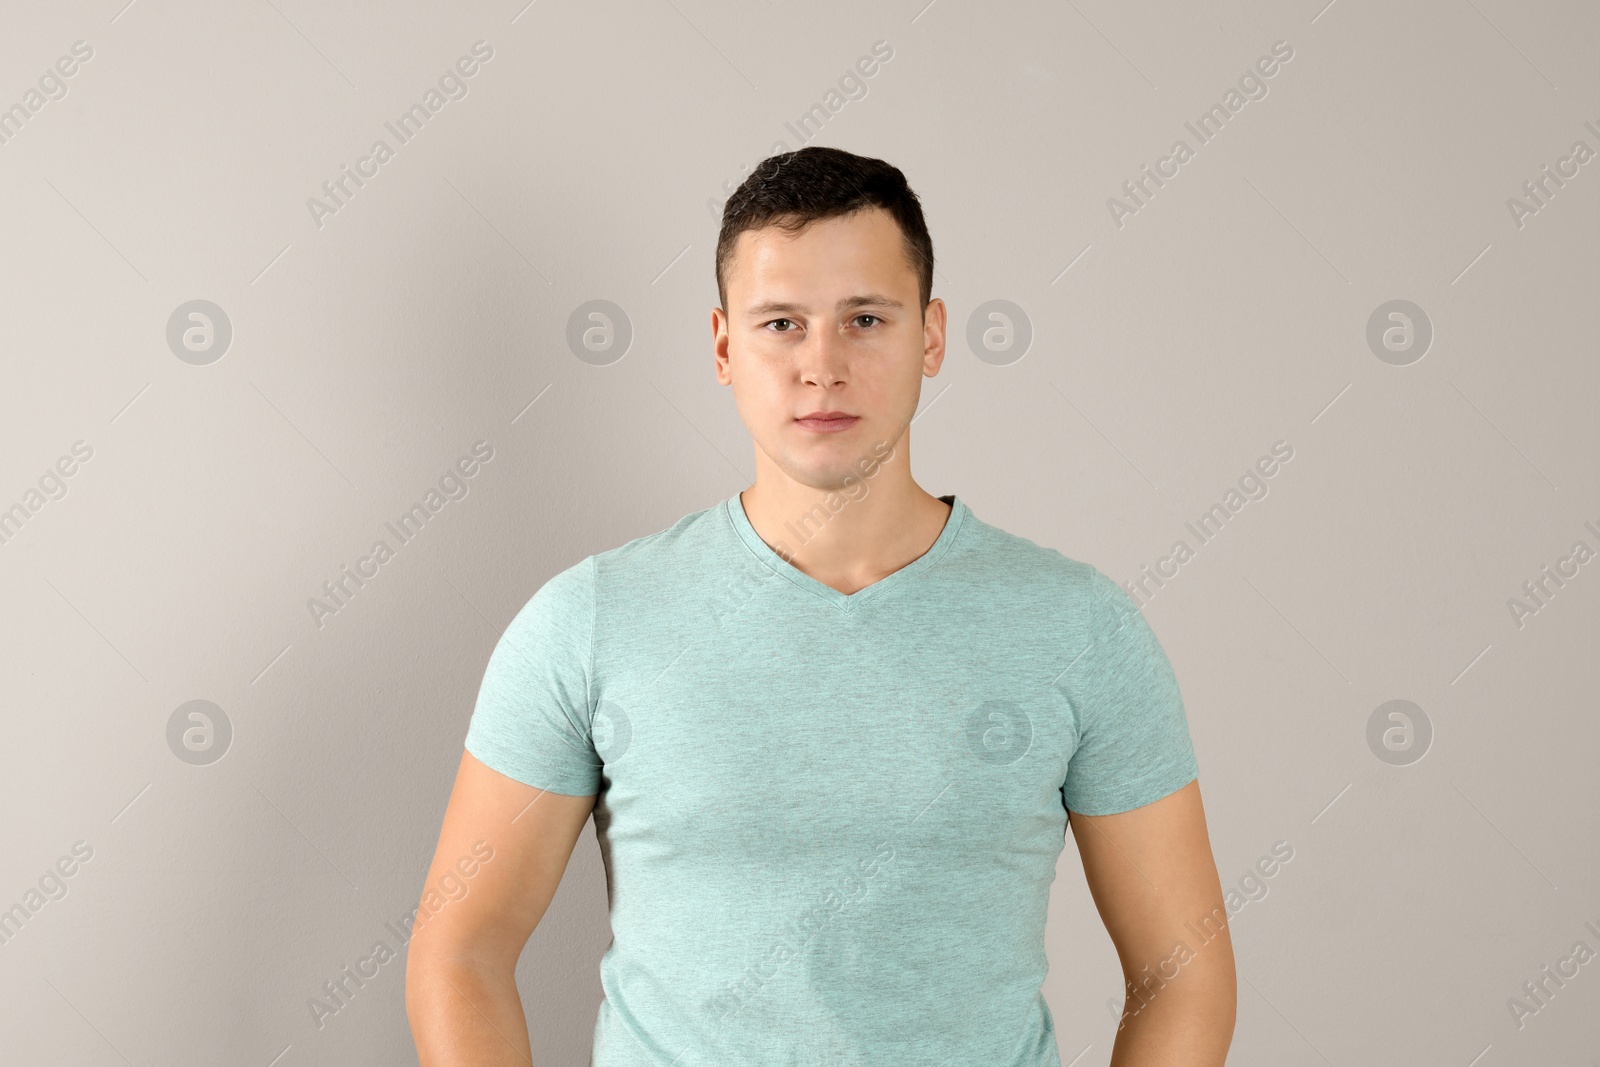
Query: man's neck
[(846, 539)]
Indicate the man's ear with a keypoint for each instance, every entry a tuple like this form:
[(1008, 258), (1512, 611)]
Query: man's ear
[(933, 337), (719, 346)]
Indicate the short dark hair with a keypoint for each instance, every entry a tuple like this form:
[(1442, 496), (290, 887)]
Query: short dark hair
[(791, 190)]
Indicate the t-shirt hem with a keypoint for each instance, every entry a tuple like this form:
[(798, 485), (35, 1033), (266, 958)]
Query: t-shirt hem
[(542, 779), (1148, 793)]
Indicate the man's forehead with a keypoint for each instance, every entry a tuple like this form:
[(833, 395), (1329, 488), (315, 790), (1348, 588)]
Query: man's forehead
[(853, 267)]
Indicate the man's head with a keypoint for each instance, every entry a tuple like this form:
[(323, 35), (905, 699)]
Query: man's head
[(794, 189), (825, 271)]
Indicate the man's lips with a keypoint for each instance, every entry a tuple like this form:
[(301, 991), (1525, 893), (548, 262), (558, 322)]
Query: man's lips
[(828, 423)]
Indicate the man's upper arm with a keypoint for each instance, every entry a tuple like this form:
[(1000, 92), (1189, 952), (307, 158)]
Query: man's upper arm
[(527, 780), (1155, 884), (516, 840), (1132, 745)]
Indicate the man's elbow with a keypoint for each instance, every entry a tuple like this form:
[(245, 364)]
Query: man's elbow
[(439, 971), (1201, 1000), (426, 978)]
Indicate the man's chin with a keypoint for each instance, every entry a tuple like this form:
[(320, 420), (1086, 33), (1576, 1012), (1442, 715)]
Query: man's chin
[(844, 472)]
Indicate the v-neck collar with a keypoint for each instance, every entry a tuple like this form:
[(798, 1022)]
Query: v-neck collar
[(733, 508)]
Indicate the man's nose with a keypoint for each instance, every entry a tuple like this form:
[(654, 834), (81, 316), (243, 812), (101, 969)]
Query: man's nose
[(823, 358)]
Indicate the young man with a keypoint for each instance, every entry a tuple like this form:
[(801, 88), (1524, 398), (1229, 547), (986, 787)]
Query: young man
[(832, 730)]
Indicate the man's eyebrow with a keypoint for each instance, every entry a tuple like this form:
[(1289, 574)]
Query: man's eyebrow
[(778, 307)]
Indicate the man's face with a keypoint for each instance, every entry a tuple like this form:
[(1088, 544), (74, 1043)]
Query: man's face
[(826, 321)]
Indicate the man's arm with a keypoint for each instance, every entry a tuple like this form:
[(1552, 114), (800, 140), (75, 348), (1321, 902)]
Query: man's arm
[(461, 991), (1155, 884)]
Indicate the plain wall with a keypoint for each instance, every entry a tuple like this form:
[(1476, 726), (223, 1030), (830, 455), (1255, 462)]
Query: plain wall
[(1169, 349)]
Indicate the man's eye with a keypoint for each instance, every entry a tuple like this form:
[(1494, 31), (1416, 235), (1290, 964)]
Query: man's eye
[(864, 316), (776, 321)]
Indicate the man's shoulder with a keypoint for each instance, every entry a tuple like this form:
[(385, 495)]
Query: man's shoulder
[(639, 564), (1014, 559), (691, 537), (655, 564)]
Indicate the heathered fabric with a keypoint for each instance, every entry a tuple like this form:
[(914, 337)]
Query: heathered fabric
[(830, 822)]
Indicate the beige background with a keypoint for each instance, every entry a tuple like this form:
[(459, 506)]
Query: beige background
[(431, 312)]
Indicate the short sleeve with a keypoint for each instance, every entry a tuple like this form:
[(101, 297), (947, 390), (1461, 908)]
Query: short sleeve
[(532, 719), (1133, 745)]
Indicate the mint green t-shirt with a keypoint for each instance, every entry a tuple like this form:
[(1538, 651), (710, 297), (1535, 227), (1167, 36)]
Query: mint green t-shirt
[(830, 821)]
